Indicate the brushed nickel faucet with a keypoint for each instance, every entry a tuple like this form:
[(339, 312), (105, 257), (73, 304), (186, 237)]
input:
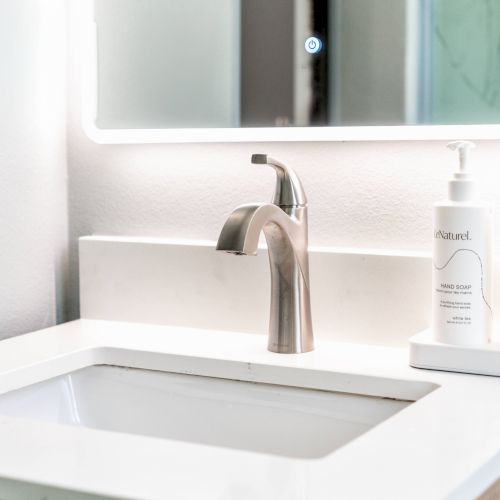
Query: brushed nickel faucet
[(284, 222)]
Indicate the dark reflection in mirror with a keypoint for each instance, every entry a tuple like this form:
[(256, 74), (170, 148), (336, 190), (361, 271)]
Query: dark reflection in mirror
[(267, 63), (284, 63)]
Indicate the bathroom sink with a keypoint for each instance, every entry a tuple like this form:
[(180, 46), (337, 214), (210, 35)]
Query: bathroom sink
[(278, 420), (103, 409)]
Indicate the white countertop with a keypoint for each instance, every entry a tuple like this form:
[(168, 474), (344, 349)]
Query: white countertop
[(446, 445)]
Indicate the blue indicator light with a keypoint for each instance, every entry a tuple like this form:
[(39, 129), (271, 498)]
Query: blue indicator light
[(313, 45)]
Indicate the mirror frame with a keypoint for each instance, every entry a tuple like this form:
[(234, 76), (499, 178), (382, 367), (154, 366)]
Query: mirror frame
[(88, 72)]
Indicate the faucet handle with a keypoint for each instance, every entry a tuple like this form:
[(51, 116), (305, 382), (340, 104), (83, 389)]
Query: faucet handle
[(289, 191)]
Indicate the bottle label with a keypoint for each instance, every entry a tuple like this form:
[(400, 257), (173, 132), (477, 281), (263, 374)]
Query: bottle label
[(462, 256)]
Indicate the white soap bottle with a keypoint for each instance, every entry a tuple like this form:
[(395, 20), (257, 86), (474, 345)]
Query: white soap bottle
[(462, 261)]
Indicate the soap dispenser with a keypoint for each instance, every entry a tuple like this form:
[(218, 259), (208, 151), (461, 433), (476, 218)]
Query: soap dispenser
[(462, 260)]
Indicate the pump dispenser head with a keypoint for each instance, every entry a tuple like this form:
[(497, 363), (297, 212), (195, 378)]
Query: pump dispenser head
[(463, 186)]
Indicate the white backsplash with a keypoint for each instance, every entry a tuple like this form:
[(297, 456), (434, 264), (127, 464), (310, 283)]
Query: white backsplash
[(357, 297)]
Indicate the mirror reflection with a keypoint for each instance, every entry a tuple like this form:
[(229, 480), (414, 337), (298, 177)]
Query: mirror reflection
[(285, 63)]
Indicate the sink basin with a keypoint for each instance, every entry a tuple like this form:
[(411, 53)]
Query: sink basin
[(272, 419), (213, 415)]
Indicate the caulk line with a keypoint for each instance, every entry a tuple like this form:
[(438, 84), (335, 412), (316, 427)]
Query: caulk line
[(480, 264)]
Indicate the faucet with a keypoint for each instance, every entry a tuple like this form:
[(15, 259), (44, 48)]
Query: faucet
[(284, 223)]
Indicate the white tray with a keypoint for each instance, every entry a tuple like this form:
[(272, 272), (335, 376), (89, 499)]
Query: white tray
[(426, 353)]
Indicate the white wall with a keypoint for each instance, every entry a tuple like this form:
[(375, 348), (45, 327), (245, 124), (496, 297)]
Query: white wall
[(33, 229), (361, 194)]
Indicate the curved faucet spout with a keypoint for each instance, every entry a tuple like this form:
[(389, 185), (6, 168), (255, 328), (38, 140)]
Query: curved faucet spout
[(240, 234), (285, 229)]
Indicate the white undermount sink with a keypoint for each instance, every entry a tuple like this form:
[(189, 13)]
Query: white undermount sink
[(278, 420), (214, 415)]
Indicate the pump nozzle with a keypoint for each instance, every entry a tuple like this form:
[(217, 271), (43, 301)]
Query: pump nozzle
[(463, 149), (462, 187)]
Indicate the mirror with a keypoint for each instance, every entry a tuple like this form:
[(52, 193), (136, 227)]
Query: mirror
[(169, 64)]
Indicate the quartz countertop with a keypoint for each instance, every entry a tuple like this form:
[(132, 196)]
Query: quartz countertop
[(445, 445)]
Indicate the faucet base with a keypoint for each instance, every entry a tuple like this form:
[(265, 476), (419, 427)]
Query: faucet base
[(281, 349)]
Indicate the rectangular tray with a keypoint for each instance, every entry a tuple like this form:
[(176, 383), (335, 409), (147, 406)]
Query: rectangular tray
[(426, 353)]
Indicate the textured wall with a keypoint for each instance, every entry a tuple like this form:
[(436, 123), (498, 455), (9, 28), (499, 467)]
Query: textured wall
[(33, 230), (375, 195)]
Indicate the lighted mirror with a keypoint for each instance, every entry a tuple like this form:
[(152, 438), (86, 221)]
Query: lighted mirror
[(230, 64)]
